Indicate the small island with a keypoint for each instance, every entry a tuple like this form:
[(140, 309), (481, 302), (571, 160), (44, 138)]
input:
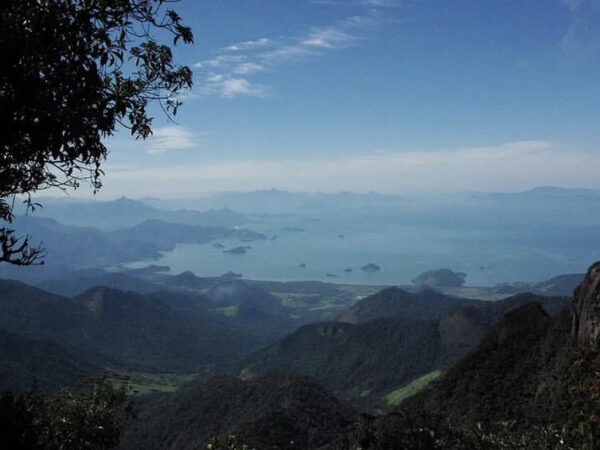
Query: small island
[(231, 274), (371, 267), (218, 245), (440, 278), (238, 250), (302, 265), (348, 269)]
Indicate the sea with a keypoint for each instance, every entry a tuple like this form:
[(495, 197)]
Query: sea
[(336, 248)]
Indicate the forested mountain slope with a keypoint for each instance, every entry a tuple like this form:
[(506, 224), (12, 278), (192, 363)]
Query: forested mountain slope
[(283, 412)]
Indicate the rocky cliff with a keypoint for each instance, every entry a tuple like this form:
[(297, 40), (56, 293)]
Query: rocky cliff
[(586, 310)]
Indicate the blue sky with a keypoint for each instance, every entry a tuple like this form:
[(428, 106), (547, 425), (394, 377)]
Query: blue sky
[(384, 95)]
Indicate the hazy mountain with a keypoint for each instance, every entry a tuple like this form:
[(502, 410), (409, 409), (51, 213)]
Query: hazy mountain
[(275, 201), (126, 329), (125, 212), (75, 283), (243, 303), (560, 285), (282, 412), (550, 203), (69, 247), (430, 304), (427, 304), (165, 235)]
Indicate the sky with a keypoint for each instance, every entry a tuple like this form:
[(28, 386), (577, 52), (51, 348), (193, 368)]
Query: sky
[(376, 95)]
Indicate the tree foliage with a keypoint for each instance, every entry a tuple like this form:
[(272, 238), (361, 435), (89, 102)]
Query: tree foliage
[(74, 71), (91, 417)]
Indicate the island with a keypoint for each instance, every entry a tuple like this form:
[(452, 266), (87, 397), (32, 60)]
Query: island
[(302, 265), (218, 245), (231, 274), (371, 267), (348, 269), (238, 250), (440, 278)]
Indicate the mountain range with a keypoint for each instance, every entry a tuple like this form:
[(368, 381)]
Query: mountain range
[(394, 337)]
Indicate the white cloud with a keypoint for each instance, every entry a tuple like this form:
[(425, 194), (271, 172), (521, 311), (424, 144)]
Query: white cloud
[(228, 86), (221, 74), (248, 67), (328, 37), (512, 166), (169, 138), (247, 45), (236, 86), (286, 53), (219, 61)]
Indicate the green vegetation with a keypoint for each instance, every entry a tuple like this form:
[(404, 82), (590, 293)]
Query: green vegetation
[(128, 331), (285, 412), (228, 443), (146, 383), (351, 358), (154, 337), (91, 417), (228, 311), (397, 396), (410, 336), (112, 45), (526, 387)]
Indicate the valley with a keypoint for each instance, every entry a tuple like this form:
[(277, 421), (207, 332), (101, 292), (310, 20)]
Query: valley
[(329, 350)]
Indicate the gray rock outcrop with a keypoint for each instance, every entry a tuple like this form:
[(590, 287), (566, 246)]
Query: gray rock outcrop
[(586, 310)]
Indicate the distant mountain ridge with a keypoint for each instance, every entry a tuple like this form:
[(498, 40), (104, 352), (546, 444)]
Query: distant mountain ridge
[(429, 304), (71, 247), (125, 212)]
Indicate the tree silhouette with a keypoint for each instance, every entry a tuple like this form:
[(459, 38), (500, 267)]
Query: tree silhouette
[(72, 72)]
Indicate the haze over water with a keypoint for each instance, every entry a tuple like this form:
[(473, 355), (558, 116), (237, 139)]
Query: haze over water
[(335, 242)]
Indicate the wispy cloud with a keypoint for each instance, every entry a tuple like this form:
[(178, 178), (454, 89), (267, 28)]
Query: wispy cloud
[(232, 71), (328, 37), (229, 86), (219, 61), (511, 166), (583, 34), (246, 45), (169, 138), (573, 4), (248, 67)]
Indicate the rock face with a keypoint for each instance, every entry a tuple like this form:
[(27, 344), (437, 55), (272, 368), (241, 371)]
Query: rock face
[(462, 329), (586, 306)]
